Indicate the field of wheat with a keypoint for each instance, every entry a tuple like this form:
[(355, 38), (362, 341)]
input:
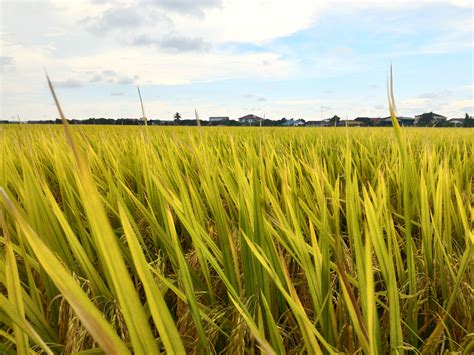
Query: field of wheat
[(236, 240)]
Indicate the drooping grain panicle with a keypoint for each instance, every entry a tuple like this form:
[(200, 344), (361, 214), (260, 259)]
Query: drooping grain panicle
[(196, 114), (142, 107)]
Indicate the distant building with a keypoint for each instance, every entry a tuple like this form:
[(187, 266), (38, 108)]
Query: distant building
[(313, 123), (293, 122), (324, 123), (368, 121), (250, 120), (327, 123), (456, 122), (349, 123), (218, 120), (406, 121), (429, 118), (402, 121)]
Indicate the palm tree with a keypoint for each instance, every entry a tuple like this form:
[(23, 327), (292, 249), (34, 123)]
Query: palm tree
[(177, 117)]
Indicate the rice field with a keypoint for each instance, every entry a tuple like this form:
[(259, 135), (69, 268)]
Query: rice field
[(236, 240)]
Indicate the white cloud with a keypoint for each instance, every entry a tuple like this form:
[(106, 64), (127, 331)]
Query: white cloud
[(298, 102), (168, 69), (253, 21), (173, 42), (460, 106), (451, 108), (68, 83), (418, 101), (187, 7)]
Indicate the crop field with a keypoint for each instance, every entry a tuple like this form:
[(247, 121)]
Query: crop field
[(236, 240)]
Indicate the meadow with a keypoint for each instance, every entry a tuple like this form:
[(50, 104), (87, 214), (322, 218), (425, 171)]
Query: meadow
[(236, 240)]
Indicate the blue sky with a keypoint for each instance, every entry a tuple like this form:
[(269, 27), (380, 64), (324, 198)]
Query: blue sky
[(299, 58)]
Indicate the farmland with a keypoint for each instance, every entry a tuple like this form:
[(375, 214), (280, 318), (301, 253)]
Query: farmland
[(214, 240)]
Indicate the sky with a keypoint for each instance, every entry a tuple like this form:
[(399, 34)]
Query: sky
[(296, 59)]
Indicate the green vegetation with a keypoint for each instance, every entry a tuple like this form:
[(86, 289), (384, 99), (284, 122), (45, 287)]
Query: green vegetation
[(147, 239)]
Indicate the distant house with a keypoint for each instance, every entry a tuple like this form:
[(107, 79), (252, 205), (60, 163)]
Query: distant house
[(429, 119), (402, 121), (350, 123), (368, 121), (313, 123), (293, 122), (327, 123), (456, 122), (324, 123), (218, 120), (250, 120), (406, 121)]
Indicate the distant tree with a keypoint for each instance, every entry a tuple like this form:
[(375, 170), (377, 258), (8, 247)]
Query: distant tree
[(232, 123), (468, 121), (335, 119), (192, 122), (177, 117)]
